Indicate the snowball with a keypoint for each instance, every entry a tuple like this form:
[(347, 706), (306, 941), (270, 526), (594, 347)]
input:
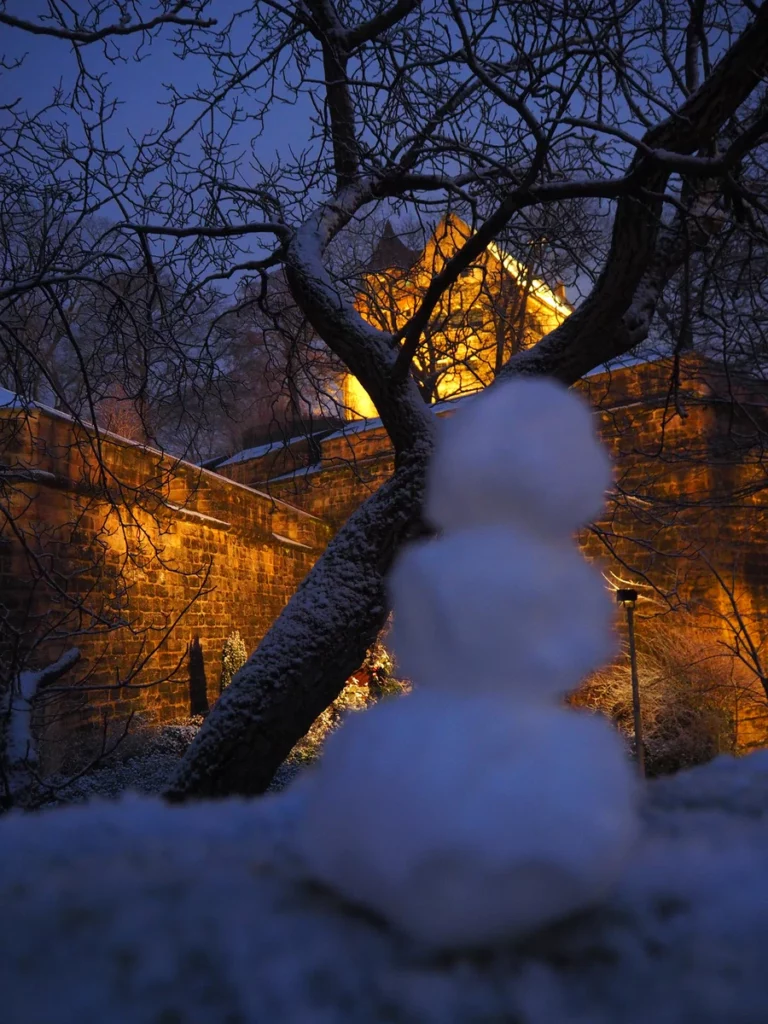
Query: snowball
[(495, 609), (524, 451), (469, 820)]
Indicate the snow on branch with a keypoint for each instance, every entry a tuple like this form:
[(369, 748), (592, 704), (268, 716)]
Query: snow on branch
[(20, 702), (84, 36)]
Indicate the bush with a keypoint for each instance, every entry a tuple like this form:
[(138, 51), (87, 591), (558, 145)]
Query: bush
[(233, 657), (688, 695), (372, 682)]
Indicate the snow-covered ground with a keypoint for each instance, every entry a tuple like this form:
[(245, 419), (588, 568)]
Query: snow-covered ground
[(132, 911), (144, 764)]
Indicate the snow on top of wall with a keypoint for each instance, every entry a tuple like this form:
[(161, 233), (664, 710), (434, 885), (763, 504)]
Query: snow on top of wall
[(280, 502), (359, 426), (623, 363), (354, 427), (200, 517), (351, 427), (257, 452), (303, 471), (539, 289), (290, 541), (9, 400)]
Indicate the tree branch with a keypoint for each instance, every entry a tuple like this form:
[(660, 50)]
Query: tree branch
[(84, 37), (216, 231), (376, 26), (598, 330)]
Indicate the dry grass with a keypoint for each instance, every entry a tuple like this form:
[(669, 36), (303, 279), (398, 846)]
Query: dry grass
[(689, 693)]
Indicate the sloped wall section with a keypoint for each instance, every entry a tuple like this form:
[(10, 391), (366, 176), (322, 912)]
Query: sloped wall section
[(132, 557)]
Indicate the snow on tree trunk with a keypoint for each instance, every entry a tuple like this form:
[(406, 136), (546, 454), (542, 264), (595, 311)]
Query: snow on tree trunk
[(315, 645)]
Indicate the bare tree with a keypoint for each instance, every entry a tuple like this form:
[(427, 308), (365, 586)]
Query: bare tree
[(649, 118)]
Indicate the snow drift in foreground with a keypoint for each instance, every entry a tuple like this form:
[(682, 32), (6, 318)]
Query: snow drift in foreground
[(137, 913)]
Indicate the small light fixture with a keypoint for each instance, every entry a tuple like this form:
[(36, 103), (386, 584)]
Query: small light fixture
[(627, 596)]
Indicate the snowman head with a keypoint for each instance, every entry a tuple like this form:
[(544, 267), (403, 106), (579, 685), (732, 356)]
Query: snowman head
[(524, 452)]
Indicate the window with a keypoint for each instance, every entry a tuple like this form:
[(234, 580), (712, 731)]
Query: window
[(477, 319)]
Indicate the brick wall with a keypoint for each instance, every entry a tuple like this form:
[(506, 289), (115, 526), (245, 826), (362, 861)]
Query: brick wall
[(130, 563), (116, 554), (686, 524)]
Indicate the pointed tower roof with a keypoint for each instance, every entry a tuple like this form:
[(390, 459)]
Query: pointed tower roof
[(390, 252)]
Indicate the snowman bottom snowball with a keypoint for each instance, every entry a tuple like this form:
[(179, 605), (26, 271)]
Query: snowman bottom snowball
[(466, 821)]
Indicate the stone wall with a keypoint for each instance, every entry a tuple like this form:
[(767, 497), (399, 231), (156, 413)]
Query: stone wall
[(686, 524), (130, 556)]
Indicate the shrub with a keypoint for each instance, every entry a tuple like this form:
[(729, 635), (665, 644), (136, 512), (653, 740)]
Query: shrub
[(233, 657), (372, 682), (688, 696)]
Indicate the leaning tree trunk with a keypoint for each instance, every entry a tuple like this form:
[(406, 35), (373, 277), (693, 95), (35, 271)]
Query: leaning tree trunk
[(318, 641)]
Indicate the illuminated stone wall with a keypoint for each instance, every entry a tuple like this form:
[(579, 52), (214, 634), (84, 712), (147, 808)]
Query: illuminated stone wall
[(687, 523), (130, 563), (109, 560)]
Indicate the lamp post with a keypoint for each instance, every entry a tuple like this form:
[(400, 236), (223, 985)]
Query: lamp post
[(628, 597)]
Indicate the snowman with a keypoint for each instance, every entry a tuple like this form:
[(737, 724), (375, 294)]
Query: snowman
[(479, 807)]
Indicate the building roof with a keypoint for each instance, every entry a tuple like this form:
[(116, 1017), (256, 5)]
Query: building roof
[(391, 252)]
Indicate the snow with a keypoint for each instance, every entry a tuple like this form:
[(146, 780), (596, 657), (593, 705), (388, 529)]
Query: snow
[(255, 453), (135, 912), (9, 400), (199, 517), (355, 427), (290, 541), (460, 840), (533, 287), (477, 808), (624, 363), (294, 473), (502, 609), (544, 469), (142, 763), (300, 512), (19, 742), (305, 256), (22, 473)]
